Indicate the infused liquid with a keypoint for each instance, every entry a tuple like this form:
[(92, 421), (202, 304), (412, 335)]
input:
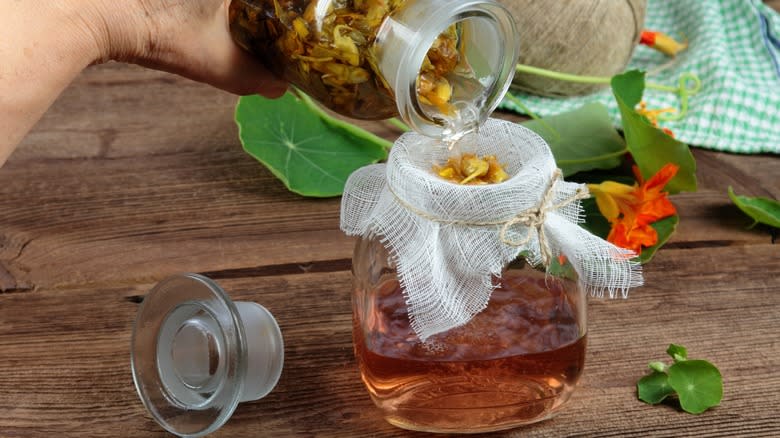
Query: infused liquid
[(517, 362)]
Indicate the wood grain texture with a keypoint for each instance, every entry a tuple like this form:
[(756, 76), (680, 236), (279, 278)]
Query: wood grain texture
[(136, 219), (143, 113), (139, 219), (135, 175), (65, 367)]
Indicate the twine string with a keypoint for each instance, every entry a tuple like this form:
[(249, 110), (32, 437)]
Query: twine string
[(533, 218)]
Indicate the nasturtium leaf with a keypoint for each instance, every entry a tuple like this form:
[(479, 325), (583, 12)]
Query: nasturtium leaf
[(310, 152), (582, 139), (654, 388), (677, 352), (595, 222), (698, 384), (665, 228), (651, 147), (763, 210)]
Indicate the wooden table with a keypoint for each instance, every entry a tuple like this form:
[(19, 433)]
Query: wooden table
[(135, 175)]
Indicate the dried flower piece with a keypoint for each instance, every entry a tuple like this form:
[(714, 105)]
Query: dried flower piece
[(473, 167), (301, 28), (433, 87), (472, 170), (444, 54), (496, 174), (348, 50)]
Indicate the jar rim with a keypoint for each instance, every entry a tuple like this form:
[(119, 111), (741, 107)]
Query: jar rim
[(438, 16)]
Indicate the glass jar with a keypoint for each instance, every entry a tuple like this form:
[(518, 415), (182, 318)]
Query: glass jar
[(443, 66), (517, 362)]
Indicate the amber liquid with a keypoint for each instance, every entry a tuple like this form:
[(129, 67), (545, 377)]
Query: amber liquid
[(515, 363)]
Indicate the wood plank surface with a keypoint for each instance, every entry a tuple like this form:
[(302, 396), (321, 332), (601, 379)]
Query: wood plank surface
[(135, 175), (69, 370), (136, 219)]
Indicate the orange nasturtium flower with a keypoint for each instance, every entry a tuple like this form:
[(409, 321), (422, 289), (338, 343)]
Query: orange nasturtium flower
[(631, 209)]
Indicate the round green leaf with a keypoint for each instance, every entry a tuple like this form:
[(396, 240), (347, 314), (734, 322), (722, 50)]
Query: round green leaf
[(311, 153), (698, 384), (654, 388)]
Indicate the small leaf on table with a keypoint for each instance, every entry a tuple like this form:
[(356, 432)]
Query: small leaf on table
[(654, 388), (677, 352), (698, 384), (580, 140), (310, 152), (651, 147), (762, 210)]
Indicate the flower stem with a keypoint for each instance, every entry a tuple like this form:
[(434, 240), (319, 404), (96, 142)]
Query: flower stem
[(514, 99), (394, 122), (522, 68)]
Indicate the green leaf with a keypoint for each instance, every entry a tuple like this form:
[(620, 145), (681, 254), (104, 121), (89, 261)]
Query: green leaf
[(698, 384), (651, 147), (763, 210), (561, 271), (665, 228), (654, 388), (583, 139), (595, 222), (309, 151), (657, 366), (677, 352)]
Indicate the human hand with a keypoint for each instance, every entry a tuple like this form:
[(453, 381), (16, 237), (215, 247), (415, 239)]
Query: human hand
[(44, 44), (187, 37)]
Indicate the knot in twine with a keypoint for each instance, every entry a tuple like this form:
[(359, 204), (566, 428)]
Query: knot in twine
[(532, 218)]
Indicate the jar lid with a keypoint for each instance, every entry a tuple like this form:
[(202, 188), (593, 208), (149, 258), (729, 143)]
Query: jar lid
[(196, 354)]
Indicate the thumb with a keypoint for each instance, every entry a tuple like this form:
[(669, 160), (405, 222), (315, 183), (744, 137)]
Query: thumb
[(207, 53), (219, 61)]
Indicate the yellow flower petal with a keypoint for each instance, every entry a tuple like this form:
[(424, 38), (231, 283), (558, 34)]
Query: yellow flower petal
[(616, 188), (607, 195), (607, 206)]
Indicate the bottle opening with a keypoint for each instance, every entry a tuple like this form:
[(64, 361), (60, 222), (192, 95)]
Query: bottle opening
[(458, 77), (454, 62)]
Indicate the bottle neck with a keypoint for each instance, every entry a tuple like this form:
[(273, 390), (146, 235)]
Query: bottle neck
[(486, 53)]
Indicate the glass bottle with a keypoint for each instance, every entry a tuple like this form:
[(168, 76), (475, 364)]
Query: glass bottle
[(442, 65), (517, 362)]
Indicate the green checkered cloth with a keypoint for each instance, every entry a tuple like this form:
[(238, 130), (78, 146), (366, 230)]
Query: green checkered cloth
[(734, 47)]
